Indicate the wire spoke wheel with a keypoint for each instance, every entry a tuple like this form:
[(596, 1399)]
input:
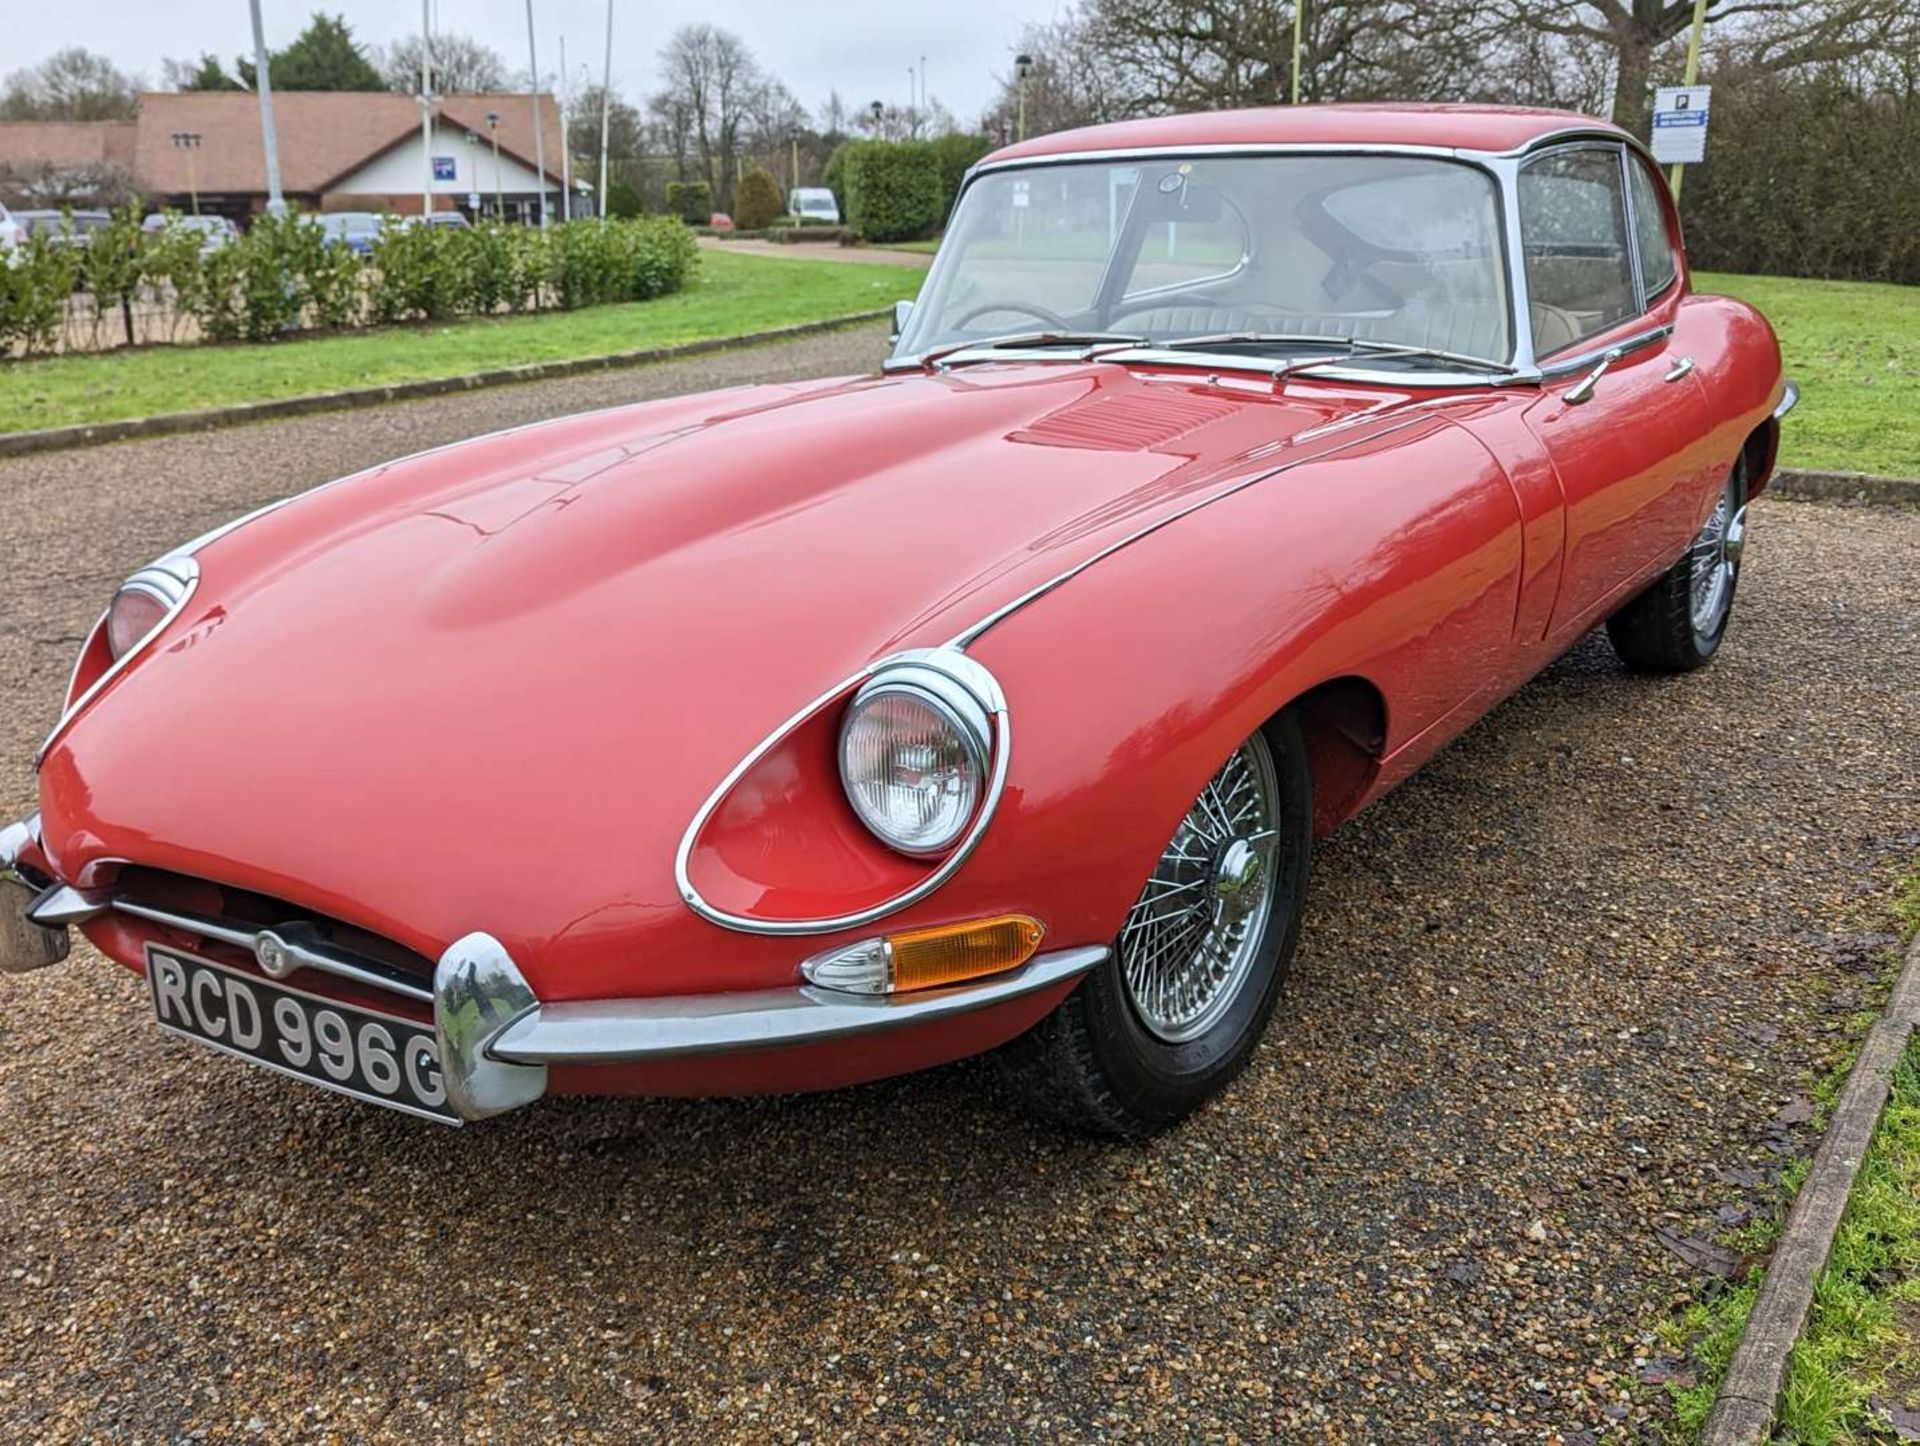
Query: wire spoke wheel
[(1191, 939), (1715, 558)]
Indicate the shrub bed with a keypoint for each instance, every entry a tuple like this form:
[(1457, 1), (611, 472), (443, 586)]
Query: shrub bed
[(282, 276)]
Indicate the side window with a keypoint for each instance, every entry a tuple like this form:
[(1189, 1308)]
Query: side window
[(1573, 234), (1657, 268)]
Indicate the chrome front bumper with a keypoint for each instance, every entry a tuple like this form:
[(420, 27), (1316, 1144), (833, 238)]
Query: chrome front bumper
[(496, 1037), (25, 944)]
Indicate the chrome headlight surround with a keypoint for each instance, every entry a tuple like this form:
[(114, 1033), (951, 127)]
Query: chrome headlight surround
[(952, 669), (955, 708), (171, 582)]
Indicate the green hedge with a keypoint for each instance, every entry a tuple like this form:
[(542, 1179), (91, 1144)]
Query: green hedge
[(892, 189), (954, 154), (282, 277), (1807, 177), (691, 201), (757, 202)]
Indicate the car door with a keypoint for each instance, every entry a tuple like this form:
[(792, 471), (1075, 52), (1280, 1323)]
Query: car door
[(1620, 408)]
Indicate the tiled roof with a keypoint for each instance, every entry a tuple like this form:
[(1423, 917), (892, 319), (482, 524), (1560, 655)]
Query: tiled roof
[(324, 135), (68, 144)]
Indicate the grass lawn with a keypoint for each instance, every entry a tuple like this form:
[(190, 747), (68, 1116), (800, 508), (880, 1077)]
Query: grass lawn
[(732, 295), (919, 248), (1860, 1356), (1854, 348), (1858, 1359)]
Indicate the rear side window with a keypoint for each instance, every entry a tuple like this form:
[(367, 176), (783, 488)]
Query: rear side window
[(1573, 235), (1657, 267)]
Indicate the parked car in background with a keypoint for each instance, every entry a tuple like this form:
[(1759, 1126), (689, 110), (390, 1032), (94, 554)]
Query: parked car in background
[(1227, 467), (215, 231), (815, 204), (720, 221), (440, 220), (63, 228), (356, 230)]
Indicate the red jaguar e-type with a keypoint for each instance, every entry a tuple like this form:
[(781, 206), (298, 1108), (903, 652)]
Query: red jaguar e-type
[(778, 738)]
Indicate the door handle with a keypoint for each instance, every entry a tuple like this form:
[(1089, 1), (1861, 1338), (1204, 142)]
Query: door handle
[(1582, 390), (1679, 369)]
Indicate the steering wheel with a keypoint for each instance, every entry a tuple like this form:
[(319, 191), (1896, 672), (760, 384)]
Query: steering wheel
[(1024, 308)]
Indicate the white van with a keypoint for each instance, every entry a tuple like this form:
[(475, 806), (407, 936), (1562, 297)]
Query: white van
[(815, 204)]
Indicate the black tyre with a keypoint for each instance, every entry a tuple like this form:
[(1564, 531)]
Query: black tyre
[(1676, 625), (1176, 1011)]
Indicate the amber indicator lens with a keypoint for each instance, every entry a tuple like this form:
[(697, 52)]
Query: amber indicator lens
[(928, 958)]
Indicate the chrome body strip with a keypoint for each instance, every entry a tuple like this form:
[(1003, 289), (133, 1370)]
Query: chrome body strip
[(1612, 352), (971, 635), (282, 950), (1789, 399), (626, 1031)]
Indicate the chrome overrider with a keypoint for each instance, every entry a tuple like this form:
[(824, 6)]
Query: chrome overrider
[(497, 1039)]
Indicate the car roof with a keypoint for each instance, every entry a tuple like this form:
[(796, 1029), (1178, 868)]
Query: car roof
[(1495, 128)]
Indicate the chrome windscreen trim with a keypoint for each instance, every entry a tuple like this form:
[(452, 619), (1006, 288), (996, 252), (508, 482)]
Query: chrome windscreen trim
[(629, 1031), (1789, 399), (971, 675), (281, 950)]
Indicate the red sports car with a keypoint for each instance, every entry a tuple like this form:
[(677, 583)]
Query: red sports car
[(783, 737)]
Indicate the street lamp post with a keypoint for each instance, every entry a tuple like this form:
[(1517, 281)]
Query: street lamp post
[(269, 135), (879, 110), (1022, 67), (499, 200), (189, 141)]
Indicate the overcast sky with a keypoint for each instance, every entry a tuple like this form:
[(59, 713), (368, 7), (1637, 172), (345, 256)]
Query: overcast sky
[(862, 48)]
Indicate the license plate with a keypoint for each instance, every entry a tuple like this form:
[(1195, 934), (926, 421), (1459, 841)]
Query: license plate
[(380, 1058)]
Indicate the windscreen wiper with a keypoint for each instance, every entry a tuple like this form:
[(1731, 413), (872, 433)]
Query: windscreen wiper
[(1031, 339), (1347, 345)]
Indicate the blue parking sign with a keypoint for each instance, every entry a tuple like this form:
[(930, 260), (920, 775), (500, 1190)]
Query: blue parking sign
[(443, 168)]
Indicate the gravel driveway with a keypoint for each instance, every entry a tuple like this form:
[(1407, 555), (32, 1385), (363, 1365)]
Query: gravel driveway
[(1547, 994)]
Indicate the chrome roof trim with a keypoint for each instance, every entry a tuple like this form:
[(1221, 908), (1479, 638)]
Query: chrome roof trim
[(1560, 135), (1222, 148)]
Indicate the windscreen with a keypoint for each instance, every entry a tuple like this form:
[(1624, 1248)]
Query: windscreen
[(1397, 249)]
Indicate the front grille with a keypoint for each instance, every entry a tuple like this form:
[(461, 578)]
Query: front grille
[(230, 922)]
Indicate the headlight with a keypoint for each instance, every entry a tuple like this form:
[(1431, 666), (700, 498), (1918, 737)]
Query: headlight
[(145, 602), (914, 754)]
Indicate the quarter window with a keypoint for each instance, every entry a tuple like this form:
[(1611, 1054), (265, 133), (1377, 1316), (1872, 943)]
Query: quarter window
[(1657, 267), (1573, 234)]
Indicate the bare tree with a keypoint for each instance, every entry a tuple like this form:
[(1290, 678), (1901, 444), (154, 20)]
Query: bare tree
[(718, 106), (1784, 34), (461, 65), (74, 85)]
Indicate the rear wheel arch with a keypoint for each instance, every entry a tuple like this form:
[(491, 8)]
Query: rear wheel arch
[(1759, 453)]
